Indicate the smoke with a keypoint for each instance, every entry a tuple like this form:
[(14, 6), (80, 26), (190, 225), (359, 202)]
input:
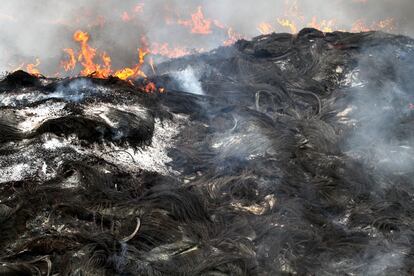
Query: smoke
[(43, 28), (188, 81), (74, 91), (383, 108), (380, 97)]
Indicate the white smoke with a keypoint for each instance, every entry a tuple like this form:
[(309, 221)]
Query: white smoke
[(188, 80), (381, 110)]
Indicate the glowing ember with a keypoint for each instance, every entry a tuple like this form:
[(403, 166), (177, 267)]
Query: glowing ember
[(150, 87)]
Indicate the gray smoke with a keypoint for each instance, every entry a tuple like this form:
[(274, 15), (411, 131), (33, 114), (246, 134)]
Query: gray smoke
[(382, 108), (43, 28)]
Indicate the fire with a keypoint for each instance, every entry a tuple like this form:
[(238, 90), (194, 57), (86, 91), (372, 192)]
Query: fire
[(131, 15), (288, 24), (165, 50), (32, 68), (92, 62), (125, 17), (127, 73), (150, 87), (359, 26), (218, 24), (233, 37), (87, 55), (294, 17), (387, 24), (201, 25), (325, 26), (70, 64), (265, 28), (198, 23)]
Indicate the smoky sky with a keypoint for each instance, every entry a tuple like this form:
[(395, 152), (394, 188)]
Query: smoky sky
[(42, 28)]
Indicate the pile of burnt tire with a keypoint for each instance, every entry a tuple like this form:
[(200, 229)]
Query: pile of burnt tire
[(284, 155)]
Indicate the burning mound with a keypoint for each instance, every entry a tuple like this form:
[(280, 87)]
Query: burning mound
[(287, 154)]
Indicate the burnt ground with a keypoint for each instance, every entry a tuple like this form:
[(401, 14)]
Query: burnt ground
[(284, 155)]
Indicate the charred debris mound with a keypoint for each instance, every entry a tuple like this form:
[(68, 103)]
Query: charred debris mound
[(284, 155)]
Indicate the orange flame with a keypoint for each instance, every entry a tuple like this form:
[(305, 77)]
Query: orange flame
[(98, 64), (70, 64), (265, 28), (32, 68), (288, 24), (127, 73), (150, 87), (387, 24), (198, 23), (87, 55), (325, 26), (125, 17), (359, 26), (233, 37), (165, 50)]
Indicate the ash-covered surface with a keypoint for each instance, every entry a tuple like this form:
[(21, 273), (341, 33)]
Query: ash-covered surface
[(286, 155)]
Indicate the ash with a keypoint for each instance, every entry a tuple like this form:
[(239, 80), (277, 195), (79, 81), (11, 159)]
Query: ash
[(284, 155)]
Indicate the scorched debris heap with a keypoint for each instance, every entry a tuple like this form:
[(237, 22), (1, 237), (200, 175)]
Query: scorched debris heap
[(295, 159)]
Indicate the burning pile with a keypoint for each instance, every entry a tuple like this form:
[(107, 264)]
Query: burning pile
[(287, 154), (197, 31), (86, 58), (87, 55)]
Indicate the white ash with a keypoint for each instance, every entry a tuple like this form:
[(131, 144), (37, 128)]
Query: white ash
[(36, 115)]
